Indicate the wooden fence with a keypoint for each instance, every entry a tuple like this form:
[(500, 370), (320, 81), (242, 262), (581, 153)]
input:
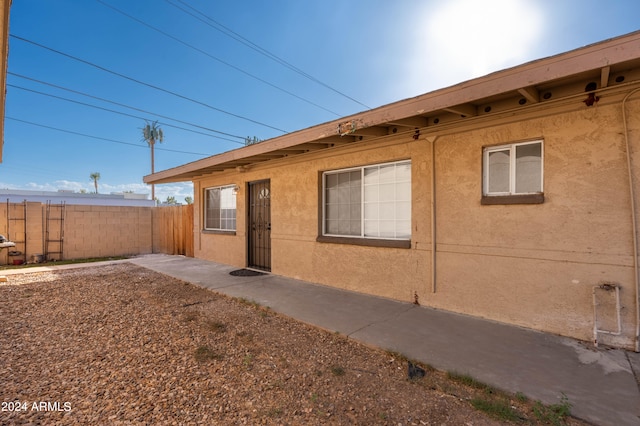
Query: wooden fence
[(173, 230), (56, 232)]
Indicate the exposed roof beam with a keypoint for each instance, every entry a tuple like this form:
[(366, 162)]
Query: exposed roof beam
[(204, 172), (371, 131), (411, 122), (337, 140), (290, 151), (604, 76), (232, 164), (266, 156), (464, 110), (530, 93), (307, 146)]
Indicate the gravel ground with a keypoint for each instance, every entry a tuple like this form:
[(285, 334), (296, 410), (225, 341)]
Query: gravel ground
[(124, 345)]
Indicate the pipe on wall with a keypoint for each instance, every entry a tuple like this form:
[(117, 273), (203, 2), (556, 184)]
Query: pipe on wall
[(634, 224), (432, 140)]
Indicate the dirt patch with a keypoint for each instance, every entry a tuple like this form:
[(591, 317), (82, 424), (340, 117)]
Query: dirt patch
[(124, 345)]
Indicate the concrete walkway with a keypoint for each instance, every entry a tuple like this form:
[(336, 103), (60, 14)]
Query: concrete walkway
[(600, 384)]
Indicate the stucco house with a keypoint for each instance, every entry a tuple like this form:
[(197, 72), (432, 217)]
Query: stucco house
[(511, 197)]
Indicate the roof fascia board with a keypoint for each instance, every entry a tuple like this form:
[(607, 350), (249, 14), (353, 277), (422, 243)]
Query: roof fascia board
[(595, 56)]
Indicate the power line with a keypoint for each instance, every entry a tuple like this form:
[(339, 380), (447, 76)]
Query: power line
[(118, 112), (133, 108), (143, 83), (99, 137), (107, 109), (215, 58), (239, 38), (110, 110)]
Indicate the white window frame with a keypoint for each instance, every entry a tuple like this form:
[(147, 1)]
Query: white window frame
[(363, 219), (232, 190), (512, 168)]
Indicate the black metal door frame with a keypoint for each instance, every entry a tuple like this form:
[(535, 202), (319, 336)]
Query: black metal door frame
[(259, 220)]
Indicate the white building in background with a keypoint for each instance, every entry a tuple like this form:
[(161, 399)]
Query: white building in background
[(71, 197)]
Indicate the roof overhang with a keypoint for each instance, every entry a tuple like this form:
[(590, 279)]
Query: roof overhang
[(606, 63), (4, 59)]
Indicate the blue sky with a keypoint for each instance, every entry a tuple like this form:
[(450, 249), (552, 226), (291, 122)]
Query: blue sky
[(245, 68)]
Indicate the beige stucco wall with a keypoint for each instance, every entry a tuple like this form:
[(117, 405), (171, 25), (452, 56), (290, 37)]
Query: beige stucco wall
[(536, 265), (531, 265)]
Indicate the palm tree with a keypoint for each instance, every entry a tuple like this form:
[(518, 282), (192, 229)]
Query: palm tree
[(95, 177), (151, 133)]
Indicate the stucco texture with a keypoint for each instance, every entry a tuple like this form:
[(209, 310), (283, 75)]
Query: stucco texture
[(533, 265)]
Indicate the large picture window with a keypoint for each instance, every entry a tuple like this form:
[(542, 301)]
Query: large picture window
[(514, 169), (220, 208), (368, 202)]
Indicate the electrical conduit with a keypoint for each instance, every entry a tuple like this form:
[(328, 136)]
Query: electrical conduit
[(633, 218), (432, 139)]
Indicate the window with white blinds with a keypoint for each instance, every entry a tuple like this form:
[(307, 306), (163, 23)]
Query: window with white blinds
[(368, 202)]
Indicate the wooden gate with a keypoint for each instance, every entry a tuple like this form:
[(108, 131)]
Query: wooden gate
[(173, 230)]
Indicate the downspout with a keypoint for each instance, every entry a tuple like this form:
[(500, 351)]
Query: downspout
[(633, 218), (432, 140)]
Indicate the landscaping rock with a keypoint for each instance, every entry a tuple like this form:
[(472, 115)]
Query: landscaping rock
[(124, 345)]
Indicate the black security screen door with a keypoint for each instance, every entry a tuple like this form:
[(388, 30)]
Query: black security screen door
[(260, 225)]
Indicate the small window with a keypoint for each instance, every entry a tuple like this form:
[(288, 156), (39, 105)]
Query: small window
[(513, 170), (220, 208), (368, 202)]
